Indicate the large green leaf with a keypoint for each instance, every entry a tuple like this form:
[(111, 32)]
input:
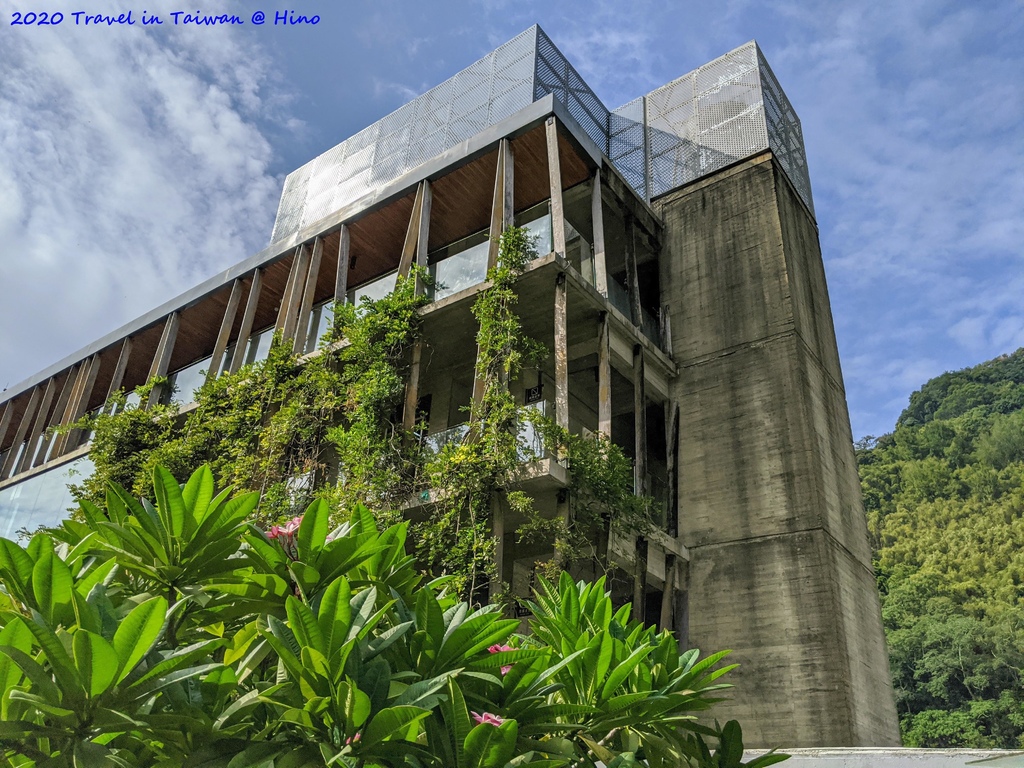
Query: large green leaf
[(51, 585), (392, 722), (137, 633), (96, 661), (490, 746)]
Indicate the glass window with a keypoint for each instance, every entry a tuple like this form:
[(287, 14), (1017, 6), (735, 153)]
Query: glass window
[(259, 345), (186, 381), (374, 290), (537, 221), (42, 499), (460, 271), (320, 322)]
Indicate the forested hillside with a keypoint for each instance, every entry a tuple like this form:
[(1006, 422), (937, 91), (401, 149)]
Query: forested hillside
[(944, 495)]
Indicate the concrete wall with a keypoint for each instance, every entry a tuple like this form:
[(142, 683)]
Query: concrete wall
[(770, 503)]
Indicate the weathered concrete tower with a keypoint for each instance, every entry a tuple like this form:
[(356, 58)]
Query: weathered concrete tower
[(770, 506)]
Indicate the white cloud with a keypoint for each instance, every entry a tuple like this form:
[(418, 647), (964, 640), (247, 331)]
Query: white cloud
[(134, 167)]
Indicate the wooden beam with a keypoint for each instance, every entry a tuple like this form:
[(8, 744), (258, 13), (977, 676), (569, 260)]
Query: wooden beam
[(57, 417), (341, 277), (502, 205), (19, 435), (632, 276), (29, 454), (597, 216), (308, 294), (604, 377), (411, 233), (561, 353), (291, 313), (224, 335), (118, 378), (242, 343), (162, 358), (77, 379), (282, 310), (498, 532), (78, 405), (5, 421), (555, 181), (423, 234), (412, 388)]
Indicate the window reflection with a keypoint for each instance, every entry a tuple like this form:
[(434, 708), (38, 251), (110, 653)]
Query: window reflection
[(42, 499)]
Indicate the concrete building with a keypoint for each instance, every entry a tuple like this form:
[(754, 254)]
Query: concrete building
[(681, 293)]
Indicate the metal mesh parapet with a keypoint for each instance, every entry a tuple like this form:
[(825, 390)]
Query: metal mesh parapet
[(728, 109)]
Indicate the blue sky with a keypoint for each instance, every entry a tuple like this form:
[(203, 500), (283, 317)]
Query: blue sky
[(135, 162)]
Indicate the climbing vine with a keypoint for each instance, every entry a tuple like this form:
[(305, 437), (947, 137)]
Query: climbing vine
[(331, 427)]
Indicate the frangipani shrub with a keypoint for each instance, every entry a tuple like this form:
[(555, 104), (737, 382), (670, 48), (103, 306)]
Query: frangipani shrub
[(175, 633)]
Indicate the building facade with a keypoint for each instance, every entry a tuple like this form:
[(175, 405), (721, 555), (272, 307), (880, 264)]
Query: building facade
[(681, 293)]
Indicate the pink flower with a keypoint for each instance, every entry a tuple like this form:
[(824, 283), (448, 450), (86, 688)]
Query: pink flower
[(353, 739), (285, 536), (487, 718), (497, 649)]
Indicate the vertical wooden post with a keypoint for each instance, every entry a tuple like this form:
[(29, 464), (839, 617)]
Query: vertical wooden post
[(423, 234), (118, 378), (247, 320), (162, 358), (19, 435), (5, 421), (640, 468), (29, 454), (224, 335), (341, 276), (561, 353), (412, 233), (294, 298), (412, 388), (632, 276), (597, 216), (555, 180), (498, 532), (502, 206), (604, 377), (302, 329), (77, 404), (56, 419), (282, 310)]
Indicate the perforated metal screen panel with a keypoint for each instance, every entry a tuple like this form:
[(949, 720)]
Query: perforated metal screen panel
[(728, 109)]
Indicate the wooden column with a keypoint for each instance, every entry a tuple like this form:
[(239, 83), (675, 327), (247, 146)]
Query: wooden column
[(22, 431), (282, 310), (57, 418), (247, 320), (604, 377), (597, 216), (162, 358), (561, 353), (78, 403), (341, 276), (412, 389), (118, 378), (5, 421), (639, 470), (632, 276), (29, 454), (294, 304), (498, 531), (555, 180), (410, 249), (224, 335), (302, 329), (502, 204)]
